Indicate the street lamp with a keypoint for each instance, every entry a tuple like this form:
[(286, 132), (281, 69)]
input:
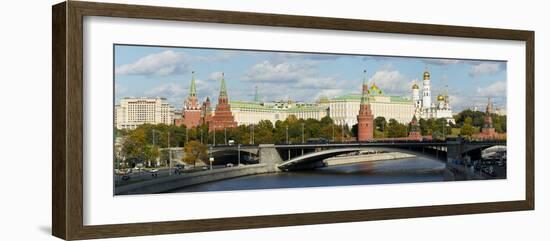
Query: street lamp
[(186, 135), (303, 124), (342, 132), (333, 132), (252, 134), (154, 140), (169, 156), (286, 134), (201, 134), (225, 135), (303, 141), (210, 159), (239, 154)]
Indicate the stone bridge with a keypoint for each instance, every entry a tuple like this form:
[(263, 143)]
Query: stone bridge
[(274, 155)]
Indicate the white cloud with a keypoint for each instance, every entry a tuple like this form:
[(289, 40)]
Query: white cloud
[(391, 81), (485, 69), (459, 102), (163, 63), (215, 76), (329, 93), (167, 63), (169, 90), (317, 82), (267, 71), (441, 61), (298, 79), (496, 89), (209, 87), (120, 89)]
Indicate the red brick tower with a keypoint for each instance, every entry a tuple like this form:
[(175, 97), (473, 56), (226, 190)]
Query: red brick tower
[(191, 110), (487, 131), (206, 111), (222, 115), (414, 131), (365, 119)]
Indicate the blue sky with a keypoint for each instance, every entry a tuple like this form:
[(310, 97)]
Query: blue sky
[(166, 72)]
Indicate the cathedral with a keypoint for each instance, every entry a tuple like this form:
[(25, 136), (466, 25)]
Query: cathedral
[(425, 108)]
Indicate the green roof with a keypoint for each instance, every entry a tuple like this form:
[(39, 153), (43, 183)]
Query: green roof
[(357, 97), (262, 107)]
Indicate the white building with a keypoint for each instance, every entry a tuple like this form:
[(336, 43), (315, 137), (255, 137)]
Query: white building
[(132, 112), (344, 109), (425, 108), (252, 112)]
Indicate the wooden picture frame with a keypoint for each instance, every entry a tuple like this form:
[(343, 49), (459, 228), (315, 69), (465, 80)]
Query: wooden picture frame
[(67, 123)]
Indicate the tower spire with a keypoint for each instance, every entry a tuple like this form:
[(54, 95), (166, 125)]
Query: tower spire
[(191, 108), (365, 119), (365, 92), (365, 79), (223, 89), (193, 88)]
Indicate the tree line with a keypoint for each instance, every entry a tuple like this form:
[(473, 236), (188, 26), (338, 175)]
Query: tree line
[(145, 141)]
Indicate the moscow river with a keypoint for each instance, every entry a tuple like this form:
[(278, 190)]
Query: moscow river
[(408, 170)]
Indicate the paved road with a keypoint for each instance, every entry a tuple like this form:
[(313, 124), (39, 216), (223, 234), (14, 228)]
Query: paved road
[(143, 175)]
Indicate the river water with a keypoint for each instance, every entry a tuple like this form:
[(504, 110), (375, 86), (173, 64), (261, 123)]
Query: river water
[(409, 170)]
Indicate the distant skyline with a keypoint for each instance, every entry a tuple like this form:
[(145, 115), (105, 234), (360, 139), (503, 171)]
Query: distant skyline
[(166, 72)]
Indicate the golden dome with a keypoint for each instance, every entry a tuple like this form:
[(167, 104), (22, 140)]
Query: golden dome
[(426, 75), (440, 98), (374, 89), (415, 87)]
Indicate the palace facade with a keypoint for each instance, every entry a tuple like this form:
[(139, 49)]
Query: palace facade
[(252, 112)]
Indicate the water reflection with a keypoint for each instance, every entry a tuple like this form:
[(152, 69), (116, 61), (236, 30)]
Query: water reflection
[(407, 170)]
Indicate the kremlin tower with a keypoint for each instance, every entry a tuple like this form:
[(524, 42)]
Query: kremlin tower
[(414, 130), (191, 110), (222, 115), (488, 131), (206, 111), (365, 119)]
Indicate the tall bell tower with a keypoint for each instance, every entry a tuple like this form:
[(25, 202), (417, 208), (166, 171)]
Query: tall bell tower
[(426, 91)]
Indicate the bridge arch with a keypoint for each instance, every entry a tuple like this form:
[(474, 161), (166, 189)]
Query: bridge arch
[(315, 159), (223, 156)]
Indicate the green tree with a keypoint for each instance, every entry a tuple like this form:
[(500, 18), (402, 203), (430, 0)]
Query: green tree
[(467, 127), (151, 154), (355, 130), (396, 129), (326, 121), (134, 143), (264, 132), (195, 151), (380, 123)]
